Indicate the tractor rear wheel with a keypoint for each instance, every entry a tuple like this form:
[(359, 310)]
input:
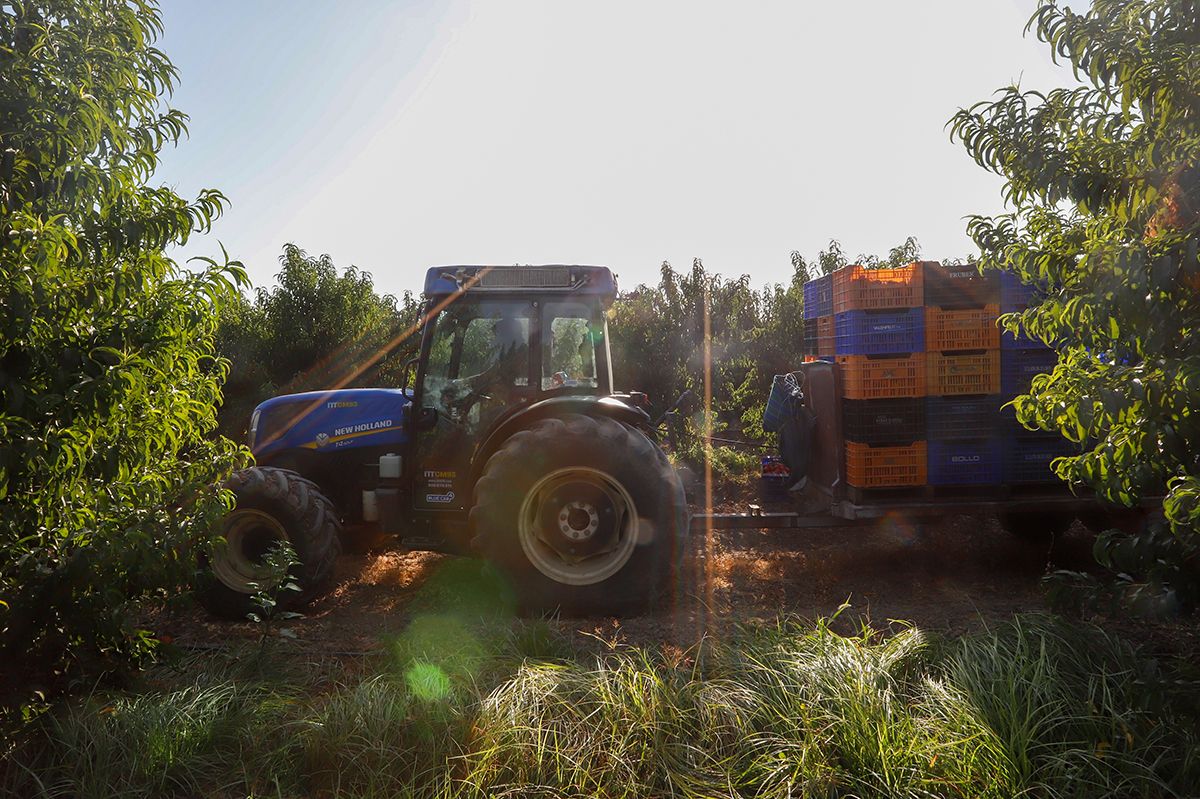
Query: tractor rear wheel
[(583, 515), (272, 505)]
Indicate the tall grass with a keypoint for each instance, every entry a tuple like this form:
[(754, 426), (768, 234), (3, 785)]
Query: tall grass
[(1035, 707), (186, 742)]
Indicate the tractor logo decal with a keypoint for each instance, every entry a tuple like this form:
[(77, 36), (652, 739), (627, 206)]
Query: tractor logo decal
[(439, 486), (366, 427), (343, 434)]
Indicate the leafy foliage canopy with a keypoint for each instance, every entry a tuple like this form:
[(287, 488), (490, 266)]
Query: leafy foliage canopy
[(314, 329), (1104, 180), (108, 379)]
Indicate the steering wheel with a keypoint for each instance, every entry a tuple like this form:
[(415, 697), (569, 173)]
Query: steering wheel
[(462, 405)]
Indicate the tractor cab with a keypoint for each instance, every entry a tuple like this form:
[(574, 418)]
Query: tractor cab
[(490, 344), (497, 342)]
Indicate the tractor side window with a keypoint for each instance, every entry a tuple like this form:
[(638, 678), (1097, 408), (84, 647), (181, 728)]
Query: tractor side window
[(488, 339), (569, 341)]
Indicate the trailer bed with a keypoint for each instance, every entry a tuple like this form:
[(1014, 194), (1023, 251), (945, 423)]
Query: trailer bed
[(843, 513)]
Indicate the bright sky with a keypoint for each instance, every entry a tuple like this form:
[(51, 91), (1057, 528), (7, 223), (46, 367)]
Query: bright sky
[(399, 135)]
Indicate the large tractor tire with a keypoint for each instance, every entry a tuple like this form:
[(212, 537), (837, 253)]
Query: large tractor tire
[(272, 505), (583, 516)]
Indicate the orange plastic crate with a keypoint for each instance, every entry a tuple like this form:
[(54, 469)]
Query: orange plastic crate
[(856, 288), (964, 373), (825, 336), (962, 329), (885, 467), (882, 376)]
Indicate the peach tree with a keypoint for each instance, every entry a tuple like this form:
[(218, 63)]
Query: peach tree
[(108, 377), (1103, 183)]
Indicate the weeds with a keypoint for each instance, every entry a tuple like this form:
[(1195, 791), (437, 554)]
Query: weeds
[(175, 743), (1035, 707)]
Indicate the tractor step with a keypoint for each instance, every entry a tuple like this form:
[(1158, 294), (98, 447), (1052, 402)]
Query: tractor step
[(421, 543)]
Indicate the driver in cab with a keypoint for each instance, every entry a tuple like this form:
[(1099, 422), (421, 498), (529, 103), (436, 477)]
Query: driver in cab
[(498, 382)]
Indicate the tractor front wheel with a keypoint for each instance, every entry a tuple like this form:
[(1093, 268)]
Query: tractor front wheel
[(273, 505), (583, 515)]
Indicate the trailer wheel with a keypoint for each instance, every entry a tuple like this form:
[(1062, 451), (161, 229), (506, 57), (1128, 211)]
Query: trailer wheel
[(272, 505), (583, 515), (1036, 527), (1127, 520)]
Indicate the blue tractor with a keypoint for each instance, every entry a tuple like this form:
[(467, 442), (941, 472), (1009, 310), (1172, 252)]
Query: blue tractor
[(511, 445)]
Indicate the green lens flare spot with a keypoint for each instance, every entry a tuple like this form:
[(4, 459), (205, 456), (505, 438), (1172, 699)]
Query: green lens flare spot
[(427, 681)]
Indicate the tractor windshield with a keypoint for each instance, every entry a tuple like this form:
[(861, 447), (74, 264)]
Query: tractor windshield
[(490, 354)]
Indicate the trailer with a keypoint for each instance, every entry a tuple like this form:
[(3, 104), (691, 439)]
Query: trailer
[(1028, 510)]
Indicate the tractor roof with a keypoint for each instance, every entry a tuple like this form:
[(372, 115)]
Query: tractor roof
[(542, 279)]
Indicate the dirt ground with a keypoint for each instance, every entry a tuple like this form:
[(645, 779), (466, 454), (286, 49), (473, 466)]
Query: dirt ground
[(948, 577)]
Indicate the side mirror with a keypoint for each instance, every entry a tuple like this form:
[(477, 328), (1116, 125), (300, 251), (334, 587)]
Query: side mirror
[(409, 366), (687, 404), (426, 419)]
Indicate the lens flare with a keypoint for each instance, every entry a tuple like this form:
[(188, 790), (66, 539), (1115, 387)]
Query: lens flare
[(427, 681), (379, 355)]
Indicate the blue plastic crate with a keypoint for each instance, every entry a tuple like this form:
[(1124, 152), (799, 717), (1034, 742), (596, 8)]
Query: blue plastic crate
[(1010, 427), (974, 461), (962, 417), (1018, 368), (1027, 458), (818, 297), (1020, 342), (1015, 295), (892, 332)]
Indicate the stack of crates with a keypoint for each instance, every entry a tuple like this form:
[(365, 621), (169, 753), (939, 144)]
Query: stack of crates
[(818, 319), (776, 477), (1027, 453), (962, 346), (925, 373), (879, 341)]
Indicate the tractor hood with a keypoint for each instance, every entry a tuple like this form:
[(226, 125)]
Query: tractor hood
[(329, 421)]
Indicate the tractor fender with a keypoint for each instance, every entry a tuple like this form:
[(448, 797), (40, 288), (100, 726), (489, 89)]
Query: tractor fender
[(608, 407)]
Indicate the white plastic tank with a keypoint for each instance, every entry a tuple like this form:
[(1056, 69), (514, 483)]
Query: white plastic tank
[(389, 467), (370, 507)]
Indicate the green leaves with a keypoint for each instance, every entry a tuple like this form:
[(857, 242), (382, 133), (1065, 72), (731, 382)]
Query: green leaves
[(1104, 183), (107, 471), (317, 328)]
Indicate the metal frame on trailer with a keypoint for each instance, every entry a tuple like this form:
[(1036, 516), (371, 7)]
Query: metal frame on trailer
[(849, 514)]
